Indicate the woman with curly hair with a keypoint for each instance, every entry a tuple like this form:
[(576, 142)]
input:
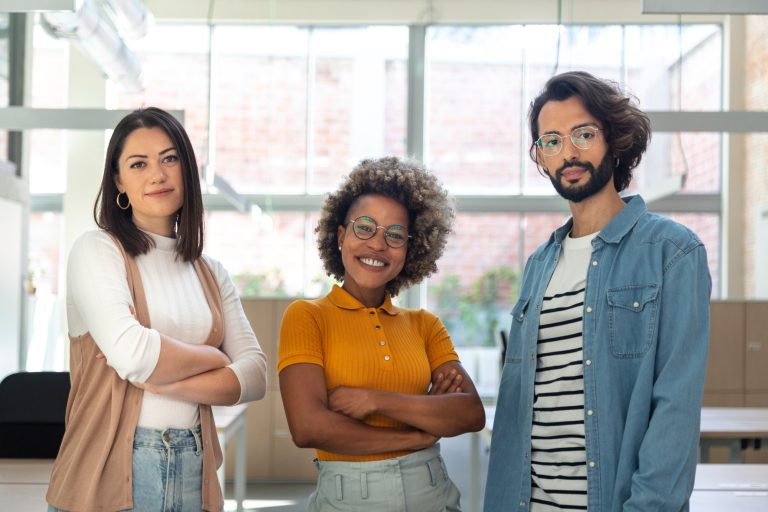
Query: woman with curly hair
[(372, 386)]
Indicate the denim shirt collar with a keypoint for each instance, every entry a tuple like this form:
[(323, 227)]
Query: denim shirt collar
[(617, 228)]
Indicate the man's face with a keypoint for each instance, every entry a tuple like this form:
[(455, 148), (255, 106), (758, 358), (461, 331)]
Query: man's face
[(576, 172)]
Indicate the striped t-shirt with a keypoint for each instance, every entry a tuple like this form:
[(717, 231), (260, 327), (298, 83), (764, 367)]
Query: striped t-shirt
[(558, 454)]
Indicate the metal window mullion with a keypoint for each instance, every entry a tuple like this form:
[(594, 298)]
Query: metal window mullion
[(416, 126), (17, 36), (211, 157), (311, 69), (416, 131)]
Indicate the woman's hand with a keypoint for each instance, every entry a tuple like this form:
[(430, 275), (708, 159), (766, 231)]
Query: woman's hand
[(446, 383), (425, 439), (149, 388), (356, 403)]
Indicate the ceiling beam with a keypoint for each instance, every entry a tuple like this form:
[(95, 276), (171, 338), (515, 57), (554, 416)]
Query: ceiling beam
[(721, 122), (37, 5), (25, 118), (676, 203), (705, 7)]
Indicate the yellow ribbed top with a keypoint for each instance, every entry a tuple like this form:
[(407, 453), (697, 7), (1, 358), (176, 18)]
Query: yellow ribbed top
[(386, 348)]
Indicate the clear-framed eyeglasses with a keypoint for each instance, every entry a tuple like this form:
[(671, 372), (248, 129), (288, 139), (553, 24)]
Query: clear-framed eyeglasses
[(584, 137), (365, 228)]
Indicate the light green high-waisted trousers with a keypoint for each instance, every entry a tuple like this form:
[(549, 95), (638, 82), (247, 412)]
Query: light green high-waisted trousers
[(417, 482)]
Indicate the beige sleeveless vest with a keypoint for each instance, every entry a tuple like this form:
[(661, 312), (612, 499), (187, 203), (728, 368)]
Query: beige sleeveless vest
[(92, 472)]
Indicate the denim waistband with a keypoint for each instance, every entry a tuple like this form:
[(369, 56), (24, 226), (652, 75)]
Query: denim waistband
[(168, 438), (405, 461)]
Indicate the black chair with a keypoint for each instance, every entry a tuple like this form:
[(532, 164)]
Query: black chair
[(32, 410)]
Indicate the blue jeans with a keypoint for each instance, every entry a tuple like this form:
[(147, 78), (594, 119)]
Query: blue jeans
[(167, 470), (417, 481)]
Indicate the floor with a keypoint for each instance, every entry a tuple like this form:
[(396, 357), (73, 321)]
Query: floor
[(292, 497)]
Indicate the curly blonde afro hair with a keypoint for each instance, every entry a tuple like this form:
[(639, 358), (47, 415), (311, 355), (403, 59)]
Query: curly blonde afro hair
[(430, 215)]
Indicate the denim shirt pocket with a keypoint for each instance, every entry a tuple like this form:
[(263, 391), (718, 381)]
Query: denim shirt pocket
[(632, 318), (515, 340)]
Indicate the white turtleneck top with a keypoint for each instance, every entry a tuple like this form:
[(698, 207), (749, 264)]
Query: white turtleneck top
[(98, 302)]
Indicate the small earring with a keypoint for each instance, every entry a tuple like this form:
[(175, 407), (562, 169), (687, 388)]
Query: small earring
[(127, 204), (339, 247)]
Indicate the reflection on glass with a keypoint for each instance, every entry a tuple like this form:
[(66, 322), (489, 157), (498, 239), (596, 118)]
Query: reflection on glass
[(474, 108), (175, 60), (478, 277), (707, 227), (269, 255), (358, 101), (260, 104)]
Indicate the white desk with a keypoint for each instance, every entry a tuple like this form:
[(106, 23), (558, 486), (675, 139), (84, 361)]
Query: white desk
[(727, 426), (729, 501), (731, 477), (23, 483), (230, 422)]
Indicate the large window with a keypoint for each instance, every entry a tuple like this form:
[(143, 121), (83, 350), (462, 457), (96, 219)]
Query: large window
[(297, 108), (481, 81), (282, 111)]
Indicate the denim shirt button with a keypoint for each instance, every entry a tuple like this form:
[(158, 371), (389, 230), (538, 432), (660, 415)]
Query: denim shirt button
[(635, 305), (589, 412), (589, 309), (591, 463), (522, 504), (594, 263), (588, 362)]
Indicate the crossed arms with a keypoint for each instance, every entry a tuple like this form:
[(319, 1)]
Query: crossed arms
[(333, 420)]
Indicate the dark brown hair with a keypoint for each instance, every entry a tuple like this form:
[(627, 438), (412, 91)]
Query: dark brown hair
[(430, 215), (626, 128), (189, 218)]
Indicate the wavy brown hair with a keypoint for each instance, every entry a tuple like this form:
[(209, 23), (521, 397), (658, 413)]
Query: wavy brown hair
[(626, 128), (430, 215)]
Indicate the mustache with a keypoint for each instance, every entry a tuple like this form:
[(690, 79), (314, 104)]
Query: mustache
[(574, 163)]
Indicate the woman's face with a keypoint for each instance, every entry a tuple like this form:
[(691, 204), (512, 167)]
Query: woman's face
[(370, 264), (150, 174)]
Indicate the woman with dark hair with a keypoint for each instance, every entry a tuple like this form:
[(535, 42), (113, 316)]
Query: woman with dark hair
[(355, 370), (157, 336)]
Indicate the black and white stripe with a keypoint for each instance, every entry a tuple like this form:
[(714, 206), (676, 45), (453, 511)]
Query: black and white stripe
[(558, 455)]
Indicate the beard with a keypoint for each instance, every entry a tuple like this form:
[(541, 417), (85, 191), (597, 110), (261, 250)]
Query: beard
[(598, 178)]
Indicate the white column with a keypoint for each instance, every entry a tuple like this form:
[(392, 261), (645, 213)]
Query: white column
[(85, 158)]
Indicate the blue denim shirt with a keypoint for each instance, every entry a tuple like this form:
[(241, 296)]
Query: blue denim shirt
[(646, 332)]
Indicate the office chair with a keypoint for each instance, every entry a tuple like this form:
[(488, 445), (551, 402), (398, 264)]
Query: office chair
[(32, 410)]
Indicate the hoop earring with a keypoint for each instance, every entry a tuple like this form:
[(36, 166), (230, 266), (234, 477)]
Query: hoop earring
[(128, 201)]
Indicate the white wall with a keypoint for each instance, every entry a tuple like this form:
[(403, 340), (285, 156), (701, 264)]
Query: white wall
[(11, 283)]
